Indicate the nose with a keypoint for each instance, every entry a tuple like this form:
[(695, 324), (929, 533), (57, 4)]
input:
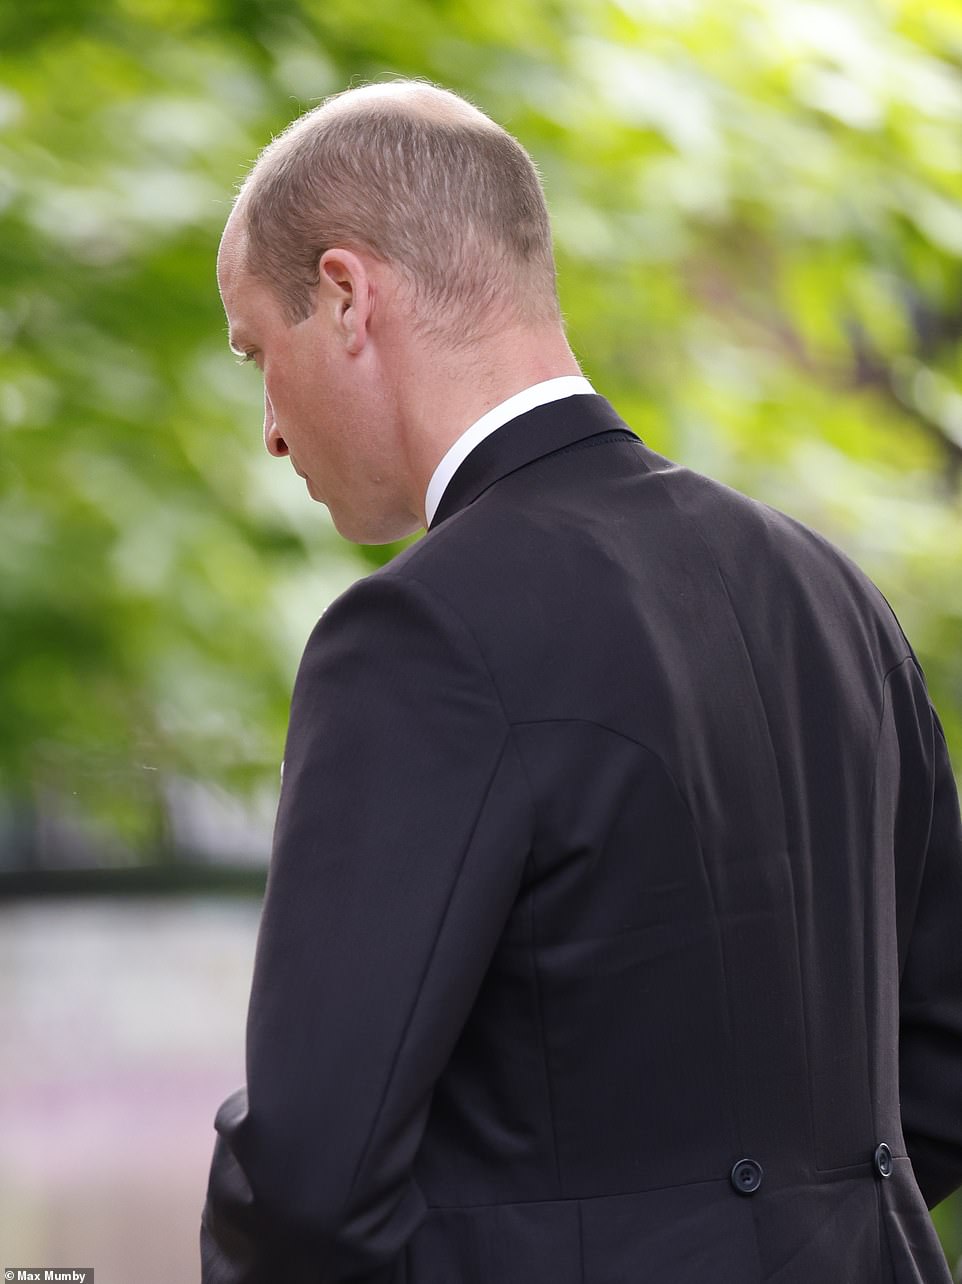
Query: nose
[(275, 443)]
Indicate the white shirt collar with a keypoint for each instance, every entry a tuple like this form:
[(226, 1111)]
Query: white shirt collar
[(539, 394)]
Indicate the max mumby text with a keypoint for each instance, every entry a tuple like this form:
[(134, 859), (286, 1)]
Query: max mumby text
[(69, 1275)]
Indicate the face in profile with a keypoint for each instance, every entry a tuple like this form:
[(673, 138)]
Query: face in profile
[(324, 404)]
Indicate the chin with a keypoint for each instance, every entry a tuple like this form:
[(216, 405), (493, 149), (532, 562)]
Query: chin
[(382, 530)]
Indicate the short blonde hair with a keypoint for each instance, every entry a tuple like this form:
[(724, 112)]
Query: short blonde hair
[(423, 180)]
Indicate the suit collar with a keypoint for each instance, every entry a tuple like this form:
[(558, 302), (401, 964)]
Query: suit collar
[(520, 441), (536, 394)]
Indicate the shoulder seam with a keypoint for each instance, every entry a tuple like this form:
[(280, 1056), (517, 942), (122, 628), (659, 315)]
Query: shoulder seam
[(427, 589)]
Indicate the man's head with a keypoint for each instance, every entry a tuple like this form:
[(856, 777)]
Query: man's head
[(393, 231)]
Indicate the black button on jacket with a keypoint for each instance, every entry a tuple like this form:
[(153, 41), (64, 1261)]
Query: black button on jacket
[(617, 845)]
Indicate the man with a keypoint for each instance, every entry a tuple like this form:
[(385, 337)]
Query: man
[(611, 928)]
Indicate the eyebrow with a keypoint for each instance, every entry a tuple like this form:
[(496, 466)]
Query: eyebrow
[(237, 340)]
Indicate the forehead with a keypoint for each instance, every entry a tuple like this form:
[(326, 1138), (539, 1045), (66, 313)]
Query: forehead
[(231, 256), (240, 292)]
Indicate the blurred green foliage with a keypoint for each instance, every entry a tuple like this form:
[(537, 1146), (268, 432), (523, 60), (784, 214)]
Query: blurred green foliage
[(759, 232)]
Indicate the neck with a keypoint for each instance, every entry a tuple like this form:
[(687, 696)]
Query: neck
[(443, 395)]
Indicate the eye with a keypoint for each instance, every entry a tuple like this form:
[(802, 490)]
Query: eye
[(247, 356)]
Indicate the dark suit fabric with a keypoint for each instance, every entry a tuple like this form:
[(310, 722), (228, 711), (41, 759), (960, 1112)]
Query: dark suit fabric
[(617, 843)]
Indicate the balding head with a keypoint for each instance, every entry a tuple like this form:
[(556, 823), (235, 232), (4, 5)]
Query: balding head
[(421, 179), (415, 97)]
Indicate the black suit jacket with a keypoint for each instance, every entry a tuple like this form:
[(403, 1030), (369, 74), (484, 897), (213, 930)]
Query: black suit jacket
[(613, 927)]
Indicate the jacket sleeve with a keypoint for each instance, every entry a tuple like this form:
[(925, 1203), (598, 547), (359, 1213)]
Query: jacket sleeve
[(930, 894), (402, 831)]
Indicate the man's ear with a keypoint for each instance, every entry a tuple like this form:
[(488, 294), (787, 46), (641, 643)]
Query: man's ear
[(345, 290)]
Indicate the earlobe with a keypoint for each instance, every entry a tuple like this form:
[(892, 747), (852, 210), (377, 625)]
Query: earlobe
[(354, 328)]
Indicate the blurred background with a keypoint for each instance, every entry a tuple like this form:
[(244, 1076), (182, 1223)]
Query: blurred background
[(757, 213)]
